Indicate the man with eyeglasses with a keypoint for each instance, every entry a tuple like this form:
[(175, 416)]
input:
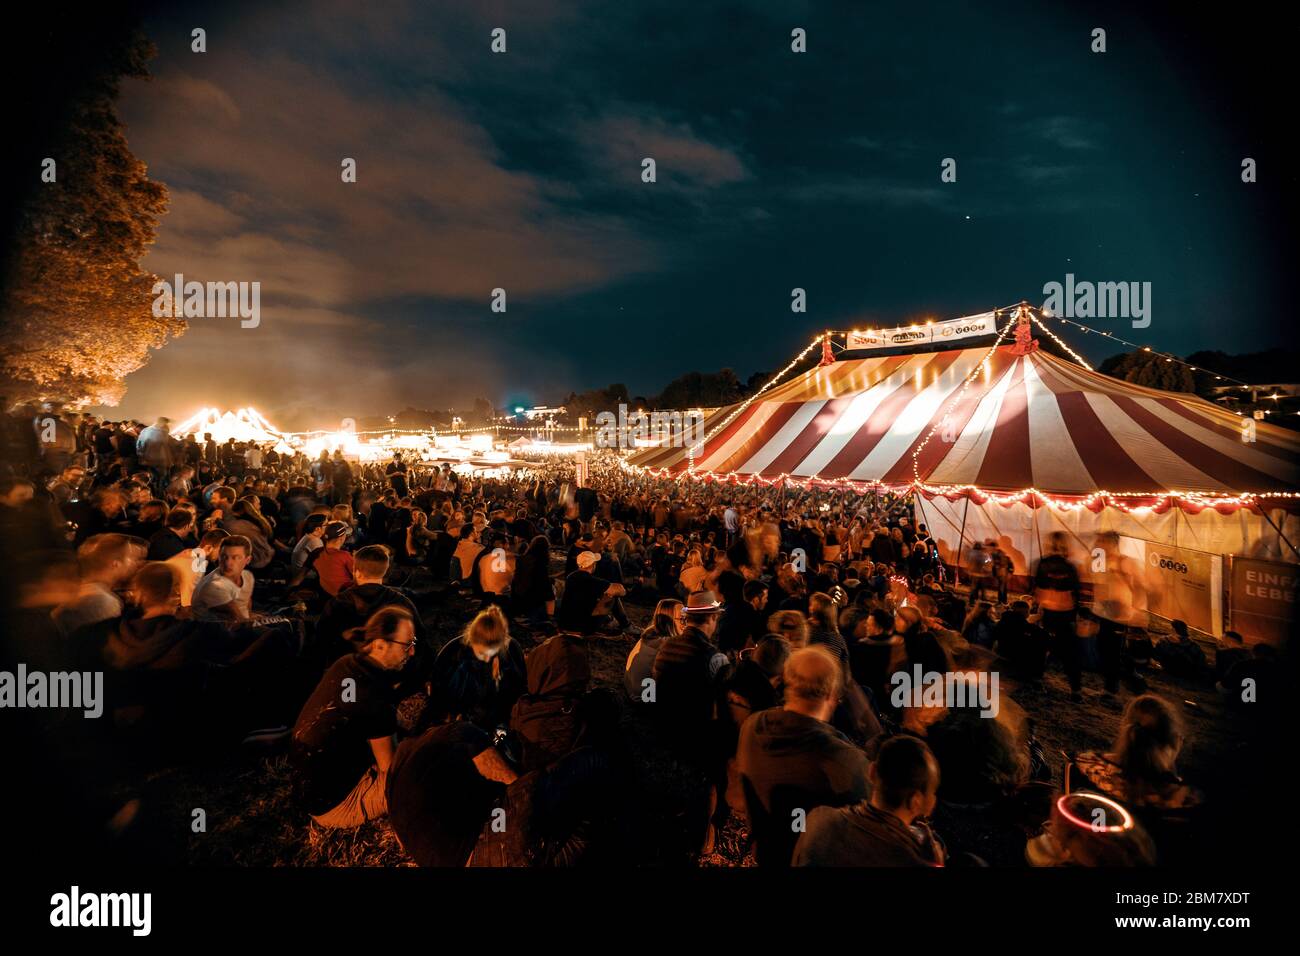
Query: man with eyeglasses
[(344, 738)]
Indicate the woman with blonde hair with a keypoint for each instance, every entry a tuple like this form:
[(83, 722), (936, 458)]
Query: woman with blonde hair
[(480, 675), (693, 572), (666, 623)]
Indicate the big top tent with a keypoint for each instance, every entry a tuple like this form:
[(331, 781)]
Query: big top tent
[(1010, 442)]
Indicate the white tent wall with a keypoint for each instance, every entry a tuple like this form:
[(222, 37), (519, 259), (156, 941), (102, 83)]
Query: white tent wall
[(1020, 529)]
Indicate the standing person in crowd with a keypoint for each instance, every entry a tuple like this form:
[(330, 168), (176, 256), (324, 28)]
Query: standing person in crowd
[(154, 450), (1115, 592), (823, 622), (1056, 588), (341, 480)]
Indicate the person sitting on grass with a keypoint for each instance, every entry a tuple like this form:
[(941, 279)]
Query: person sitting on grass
[(1180, 655), (225, 593), (588, 599), (664, 624), (1141, 770), (881, 830), (334, 566), (352, 607), (344, 738), (313, 533), (791, 759), (106, 562), (197, 673), (480, 675), (1021, 644)]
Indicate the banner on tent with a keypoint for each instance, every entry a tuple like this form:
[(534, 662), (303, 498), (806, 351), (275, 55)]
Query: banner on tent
[(1261, 600), (1180, 583), (934, 333)]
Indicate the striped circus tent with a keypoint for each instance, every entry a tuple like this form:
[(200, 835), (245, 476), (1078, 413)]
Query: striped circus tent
[(1010, 444), (989, 421)]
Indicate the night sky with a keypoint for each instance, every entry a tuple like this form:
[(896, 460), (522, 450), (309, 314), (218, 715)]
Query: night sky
[(819, 170)]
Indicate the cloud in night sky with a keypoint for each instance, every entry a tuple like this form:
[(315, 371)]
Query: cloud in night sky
[(775, 170)]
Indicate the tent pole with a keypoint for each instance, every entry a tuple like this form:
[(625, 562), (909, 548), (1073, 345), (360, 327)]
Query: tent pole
[(961, 544), (1037, 541), (1281, 536)]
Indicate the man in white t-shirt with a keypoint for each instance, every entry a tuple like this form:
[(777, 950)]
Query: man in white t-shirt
[(226, 593), (193, 563)]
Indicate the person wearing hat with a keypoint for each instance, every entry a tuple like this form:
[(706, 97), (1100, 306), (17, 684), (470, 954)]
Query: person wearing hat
[(587, 598), (334, 566), (687, 674)]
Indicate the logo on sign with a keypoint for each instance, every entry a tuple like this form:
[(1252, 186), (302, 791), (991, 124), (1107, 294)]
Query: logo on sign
[(1167, 564)]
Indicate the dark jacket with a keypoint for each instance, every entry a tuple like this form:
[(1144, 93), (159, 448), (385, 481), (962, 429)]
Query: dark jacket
[(353, 606), (462, 685), (740, 625), (688, 672), (790, 762), (549, 718), (859, 835), (164, 643)]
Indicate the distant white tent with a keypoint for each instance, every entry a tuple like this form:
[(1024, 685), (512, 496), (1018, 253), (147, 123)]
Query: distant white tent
[(246, 424)]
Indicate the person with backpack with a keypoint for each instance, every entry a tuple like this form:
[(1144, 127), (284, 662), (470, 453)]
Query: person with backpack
[(559, 712)]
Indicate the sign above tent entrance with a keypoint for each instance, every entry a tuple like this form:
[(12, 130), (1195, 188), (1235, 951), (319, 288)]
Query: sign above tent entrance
[(929, 334)]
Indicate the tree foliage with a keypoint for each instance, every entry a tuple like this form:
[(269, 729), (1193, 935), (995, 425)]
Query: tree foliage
[(702, 390), (76, 312), (1151, 370)]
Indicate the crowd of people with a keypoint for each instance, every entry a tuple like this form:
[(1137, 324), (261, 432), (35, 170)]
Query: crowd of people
[(239, 598)]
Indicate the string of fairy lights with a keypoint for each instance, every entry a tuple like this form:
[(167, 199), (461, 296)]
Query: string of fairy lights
[(739, 410), (1167, 356), (961, 393)]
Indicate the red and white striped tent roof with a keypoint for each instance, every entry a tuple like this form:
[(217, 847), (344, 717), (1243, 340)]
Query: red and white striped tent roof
[(1031, 421)]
